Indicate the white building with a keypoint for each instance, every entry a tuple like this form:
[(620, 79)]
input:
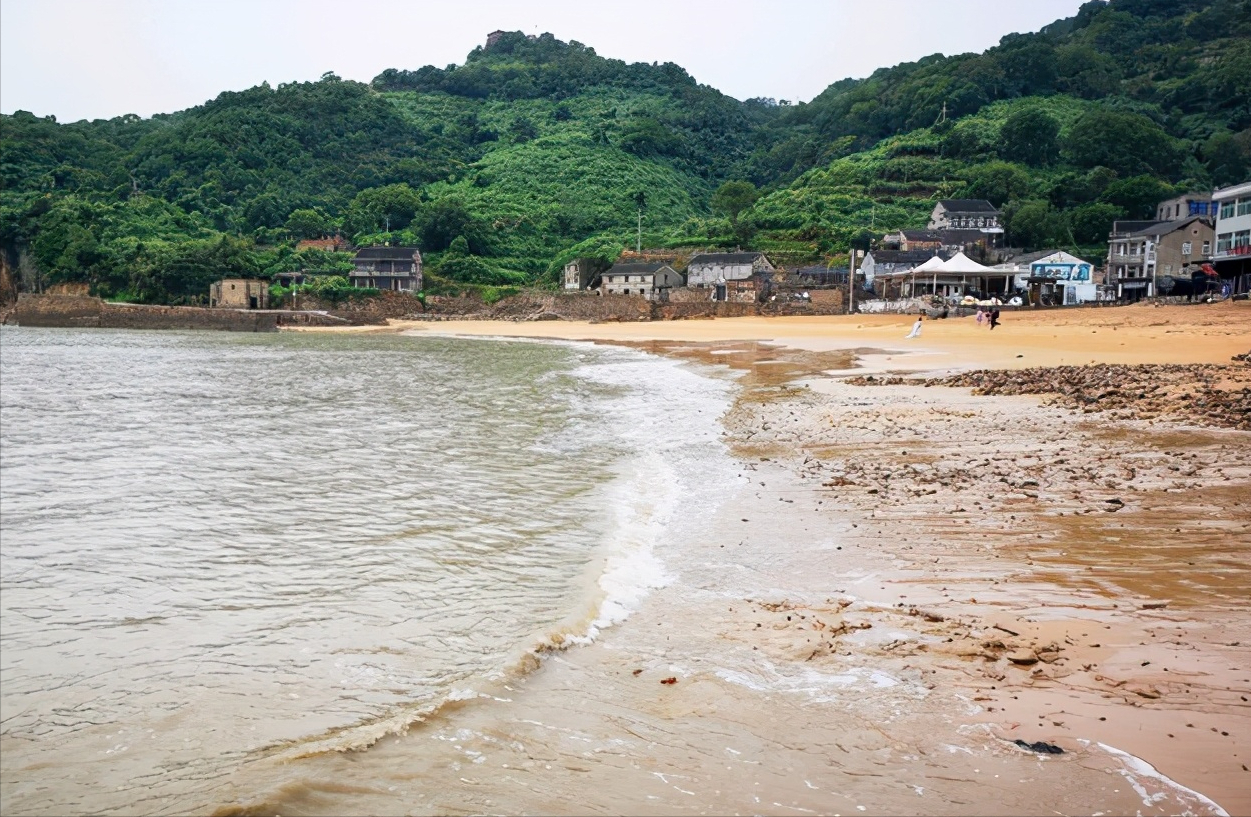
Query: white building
[(1232, 258), (1062, 279)]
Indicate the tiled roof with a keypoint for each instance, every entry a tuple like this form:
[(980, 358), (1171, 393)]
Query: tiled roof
[(388, 253), (1166, 227), (725, 258), (968, 206), (634, 269)]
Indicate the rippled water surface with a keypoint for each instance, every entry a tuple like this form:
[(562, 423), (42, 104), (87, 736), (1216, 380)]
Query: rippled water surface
[(215, 544)]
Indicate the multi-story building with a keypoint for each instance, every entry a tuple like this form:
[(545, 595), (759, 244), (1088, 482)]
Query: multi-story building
[(962, 224), (1140, 253), (1232, 258), (392, 268)]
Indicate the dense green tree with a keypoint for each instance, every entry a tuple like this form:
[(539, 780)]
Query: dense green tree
[(1029, 136), (1228, 156), (1091, 223), (448, 219), (1035, 225), (387, 208), (999, 182), (308, 223), (733, 197), (1128, 143), (1137, 196), (522, 130)]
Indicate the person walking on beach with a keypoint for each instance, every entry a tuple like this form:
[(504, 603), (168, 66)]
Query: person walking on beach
[(994, 317), (980, 318), (916, 329)]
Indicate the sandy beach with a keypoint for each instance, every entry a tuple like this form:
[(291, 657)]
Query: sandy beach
[(925, 575)]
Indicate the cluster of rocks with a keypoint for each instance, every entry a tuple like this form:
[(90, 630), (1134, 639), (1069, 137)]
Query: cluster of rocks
[(1213, 395)]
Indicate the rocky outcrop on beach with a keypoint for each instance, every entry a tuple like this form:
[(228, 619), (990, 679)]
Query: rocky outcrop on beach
[(1206, 395)]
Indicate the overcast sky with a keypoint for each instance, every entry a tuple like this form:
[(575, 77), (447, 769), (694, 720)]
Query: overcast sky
[(88, 59)]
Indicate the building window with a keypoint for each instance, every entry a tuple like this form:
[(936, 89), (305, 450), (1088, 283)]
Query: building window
[(1242, 238), (1168, 268), (1207, 248), (1244, 207), (1187, 247), (1223, 243), (1227, 209)]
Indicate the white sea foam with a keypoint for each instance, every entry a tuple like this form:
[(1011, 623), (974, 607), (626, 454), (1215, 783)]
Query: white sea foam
[(1136, 771)]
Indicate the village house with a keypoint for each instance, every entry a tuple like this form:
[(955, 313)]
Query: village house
[(962, 224), (733, 276), (1141, 253), (912, 240), (239, 293), (397, 269), (887, 261), (964, 214), (652, 281), (583, 273), (1232, 256)]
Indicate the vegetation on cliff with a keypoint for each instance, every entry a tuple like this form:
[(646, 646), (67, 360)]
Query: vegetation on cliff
[(536, 150)]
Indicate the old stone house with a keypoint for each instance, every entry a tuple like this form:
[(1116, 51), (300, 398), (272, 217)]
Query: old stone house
[(392, 268), (652, 281), (239, 293), (583, 273), (705, 269), (912, 240)]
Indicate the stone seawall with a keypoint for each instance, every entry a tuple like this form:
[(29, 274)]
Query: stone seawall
[(83, 311), (75, 310)]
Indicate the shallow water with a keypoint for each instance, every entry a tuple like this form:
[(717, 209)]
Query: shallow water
[(219, 546)]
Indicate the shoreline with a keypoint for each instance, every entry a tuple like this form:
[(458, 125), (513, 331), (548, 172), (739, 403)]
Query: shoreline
[(1212, 333), (968, 591)]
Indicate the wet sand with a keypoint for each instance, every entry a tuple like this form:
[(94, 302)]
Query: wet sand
[(908, 580)]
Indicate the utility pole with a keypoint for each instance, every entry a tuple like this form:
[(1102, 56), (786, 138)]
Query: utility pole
[(851, 281), (640, 201)]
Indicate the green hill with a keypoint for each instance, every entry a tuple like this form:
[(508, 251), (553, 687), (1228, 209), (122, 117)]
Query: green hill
[(535, 149)]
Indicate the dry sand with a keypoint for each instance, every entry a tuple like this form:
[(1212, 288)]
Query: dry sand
[(1202, 333), (1016, 571)]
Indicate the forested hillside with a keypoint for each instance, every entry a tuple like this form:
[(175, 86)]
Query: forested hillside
[(535, 150)]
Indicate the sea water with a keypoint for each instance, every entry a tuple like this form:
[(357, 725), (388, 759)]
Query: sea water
[(222, 546)]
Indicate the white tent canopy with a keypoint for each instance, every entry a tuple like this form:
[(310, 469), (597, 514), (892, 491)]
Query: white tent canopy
[(934, 264), (961, 263)]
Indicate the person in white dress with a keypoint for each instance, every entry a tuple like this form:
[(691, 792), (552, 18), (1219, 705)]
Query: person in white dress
[(916, 329)]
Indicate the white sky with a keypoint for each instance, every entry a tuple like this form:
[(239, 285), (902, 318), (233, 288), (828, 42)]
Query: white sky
[(87, 59)]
